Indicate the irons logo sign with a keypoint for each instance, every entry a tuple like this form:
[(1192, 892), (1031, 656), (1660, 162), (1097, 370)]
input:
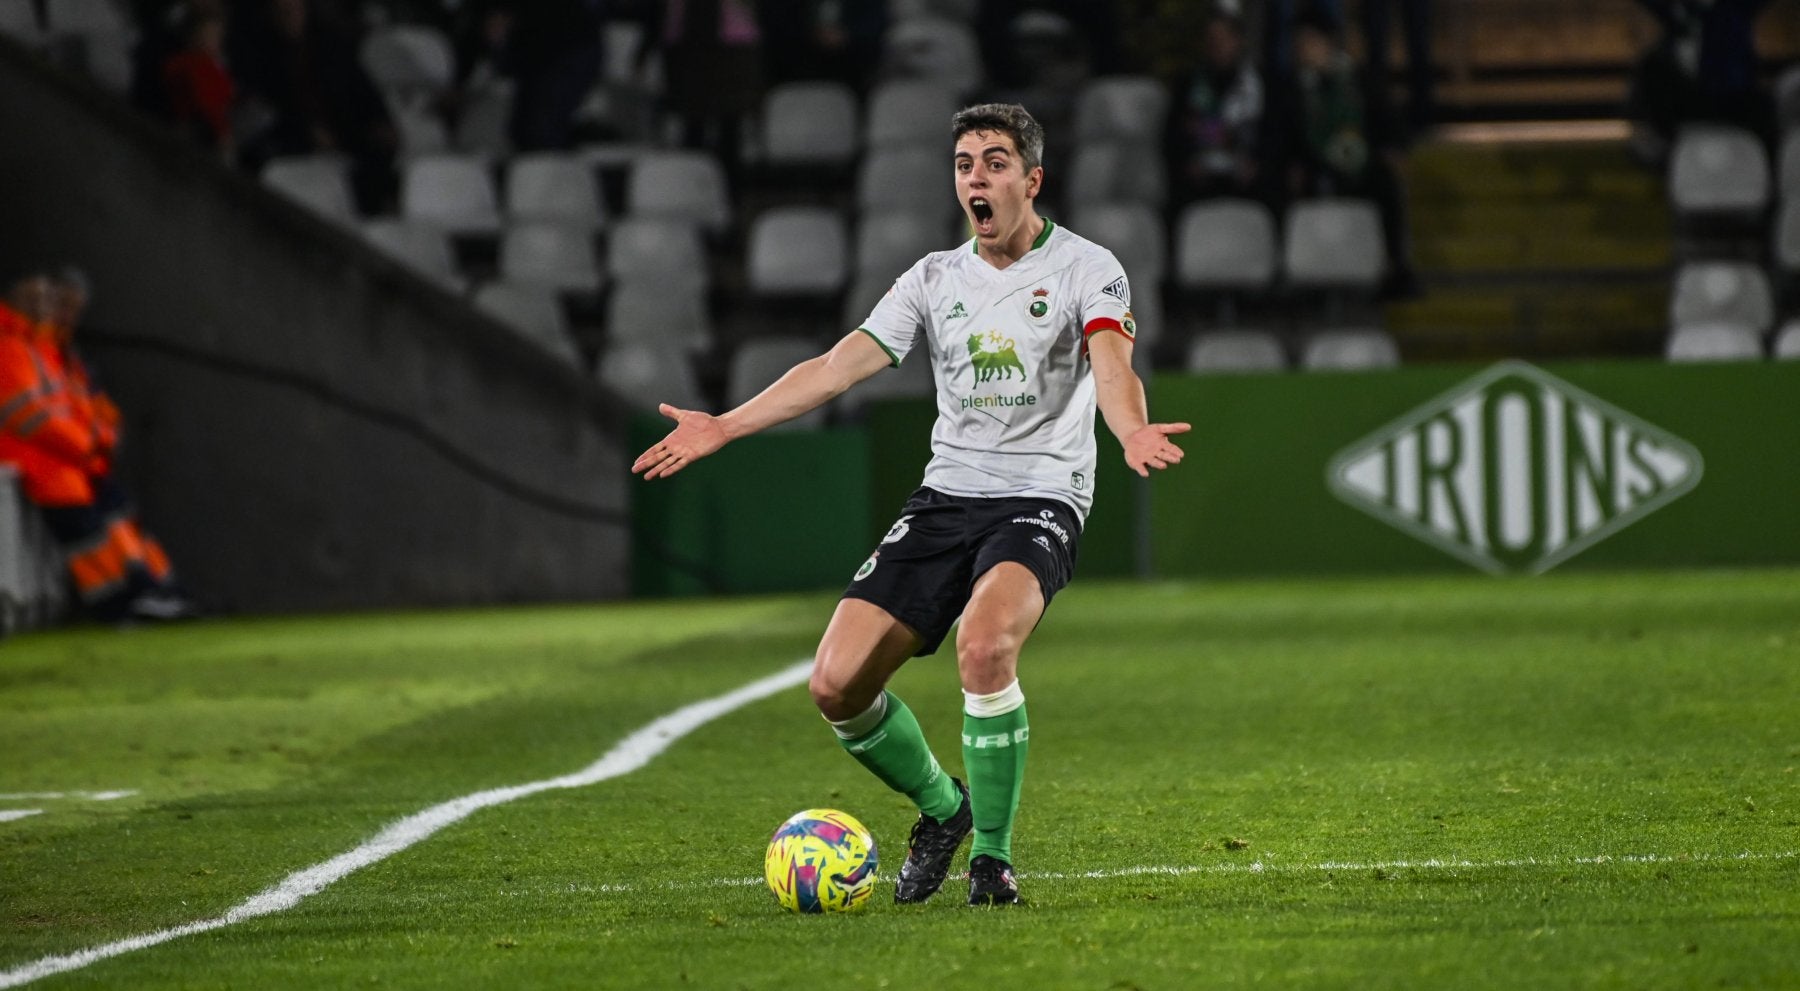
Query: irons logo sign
[(1515, 470)]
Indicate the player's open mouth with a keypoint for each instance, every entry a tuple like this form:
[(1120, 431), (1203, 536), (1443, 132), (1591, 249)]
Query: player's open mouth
[(983, 215)]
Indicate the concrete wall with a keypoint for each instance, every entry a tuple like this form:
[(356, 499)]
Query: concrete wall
[(308, 424)]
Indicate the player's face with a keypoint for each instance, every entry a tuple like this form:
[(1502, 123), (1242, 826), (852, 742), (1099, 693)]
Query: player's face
[(992, 185)]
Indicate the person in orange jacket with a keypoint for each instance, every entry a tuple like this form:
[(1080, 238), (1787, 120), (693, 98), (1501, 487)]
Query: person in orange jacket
[(60, 433)]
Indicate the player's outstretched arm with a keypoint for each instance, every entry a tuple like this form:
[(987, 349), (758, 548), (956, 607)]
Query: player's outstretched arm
[(1121, 399), (805, 387)]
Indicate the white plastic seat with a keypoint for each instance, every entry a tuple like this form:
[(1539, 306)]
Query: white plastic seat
[(553, 187), (651, 309), (454, 193), (421, 247), (1719, 291), (1787, 97), (1355, 349), (1132, 232), (666, 252), (935, 48), (1333, 243), (918, 180), (648, 370), (1129, 109), (321, 183), (1785, 234), (1235, 351), (100, 31), (798, 251), (534, 311), (557, 256), (1714, 340), (860, 299), (758, 362), (83, 17), (1110, 172), (1716, 168), (19, 22), (484, 127), (889, 242), (415, 61), (1225, 244), (1787, 184), (907, 113), (810, 123), (1787, 342), (419, 127), (679, 185)]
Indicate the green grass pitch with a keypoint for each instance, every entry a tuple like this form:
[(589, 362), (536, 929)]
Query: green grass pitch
[(1572, 781)]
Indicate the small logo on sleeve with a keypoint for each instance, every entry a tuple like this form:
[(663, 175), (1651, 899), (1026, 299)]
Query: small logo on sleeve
[(1119, 290)]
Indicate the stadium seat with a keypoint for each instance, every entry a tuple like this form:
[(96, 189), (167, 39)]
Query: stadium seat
[(959, 10), (556, 256), (421, 131), (1225, 244), (810, 124), (1333, 243), (890, 241), (1785, 233), (19, 22), (100, 31), (1787, 97), (553, 187), (413, 61), (916, 180), (798, 251), (648, 370), (1787, 342), (1718, 169), (761, 360), (484, 126), (679, 185), (1714, 341), (534, 311), (665, 252), (1720, 291), (1109, 172), (1356, 349), (454, 193), (321, 183), (908, 113), (935, 48), (1135, 235), (421, 247), (652, 309), (1126, 109), (1788, 167), (864, 293), (1235, 351)]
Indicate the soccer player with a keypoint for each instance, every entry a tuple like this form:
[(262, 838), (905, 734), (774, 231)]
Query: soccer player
[(1027, 327)]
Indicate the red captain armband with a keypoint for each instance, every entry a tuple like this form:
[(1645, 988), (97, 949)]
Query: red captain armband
[(1126, 329)]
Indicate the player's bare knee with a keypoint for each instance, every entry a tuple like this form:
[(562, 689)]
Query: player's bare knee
[(985, 659)]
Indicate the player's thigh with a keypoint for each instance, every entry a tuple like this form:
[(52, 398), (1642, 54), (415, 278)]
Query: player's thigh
[(862, 647), (1004, 608)]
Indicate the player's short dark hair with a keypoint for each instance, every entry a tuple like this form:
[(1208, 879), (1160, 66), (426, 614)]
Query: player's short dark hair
[(1009, 119)]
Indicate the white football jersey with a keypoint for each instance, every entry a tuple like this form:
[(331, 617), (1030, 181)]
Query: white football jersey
[(1008, 349)]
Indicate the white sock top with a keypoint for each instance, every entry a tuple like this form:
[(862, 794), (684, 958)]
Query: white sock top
[(863, 722), (998, 704)]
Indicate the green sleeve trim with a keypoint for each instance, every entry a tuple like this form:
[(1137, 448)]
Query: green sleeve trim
[(879, 343)]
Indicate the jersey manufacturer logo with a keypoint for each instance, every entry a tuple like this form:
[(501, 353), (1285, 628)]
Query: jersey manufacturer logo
[(993, 356), (1041, 541), (956, 312), (1515, 470), (1119, 290)]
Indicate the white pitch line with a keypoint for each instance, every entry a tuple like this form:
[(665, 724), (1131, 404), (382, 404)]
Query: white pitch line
[(1262, 867), (91, 796), (9, 815), (626, 756)]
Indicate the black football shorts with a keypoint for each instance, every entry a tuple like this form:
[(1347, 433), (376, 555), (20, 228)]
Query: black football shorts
[(927, 565)]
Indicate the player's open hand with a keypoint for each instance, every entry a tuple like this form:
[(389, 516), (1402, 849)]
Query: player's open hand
[(696, 435), (1149, 447)]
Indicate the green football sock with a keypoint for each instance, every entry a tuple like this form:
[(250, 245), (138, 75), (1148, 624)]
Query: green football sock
[(896, 752), (994, 749)]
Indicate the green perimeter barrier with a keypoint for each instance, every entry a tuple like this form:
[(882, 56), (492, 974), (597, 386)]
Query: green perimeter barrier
[(1512, 469)]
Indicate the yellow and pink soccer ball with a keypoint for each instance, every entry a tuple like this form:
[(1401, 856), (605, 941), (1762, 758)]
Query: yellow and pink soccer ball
[(821, 860)]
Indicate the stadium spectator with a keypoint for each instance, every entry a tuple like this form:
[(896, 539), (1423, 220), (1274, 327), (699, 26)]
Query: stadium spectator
[(1215, 125), (300, 71), (553, 53), (1338, 142), (713, 64), (59, 432), (1703, 66), (199, 90)]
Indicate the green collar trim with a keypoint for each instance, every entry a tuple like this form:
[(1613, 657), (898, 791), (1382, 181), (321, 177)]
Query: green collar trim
[(1044, 235)]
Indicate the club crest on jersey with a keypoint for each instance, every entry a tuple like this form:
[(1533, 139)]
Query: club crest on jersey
[(1040, 303), (1119, 290), (1130, 325)]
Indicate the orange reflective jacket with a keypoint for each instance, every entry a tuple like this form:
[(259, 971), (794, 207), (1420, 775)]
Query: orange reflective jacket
[(43, 432)]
